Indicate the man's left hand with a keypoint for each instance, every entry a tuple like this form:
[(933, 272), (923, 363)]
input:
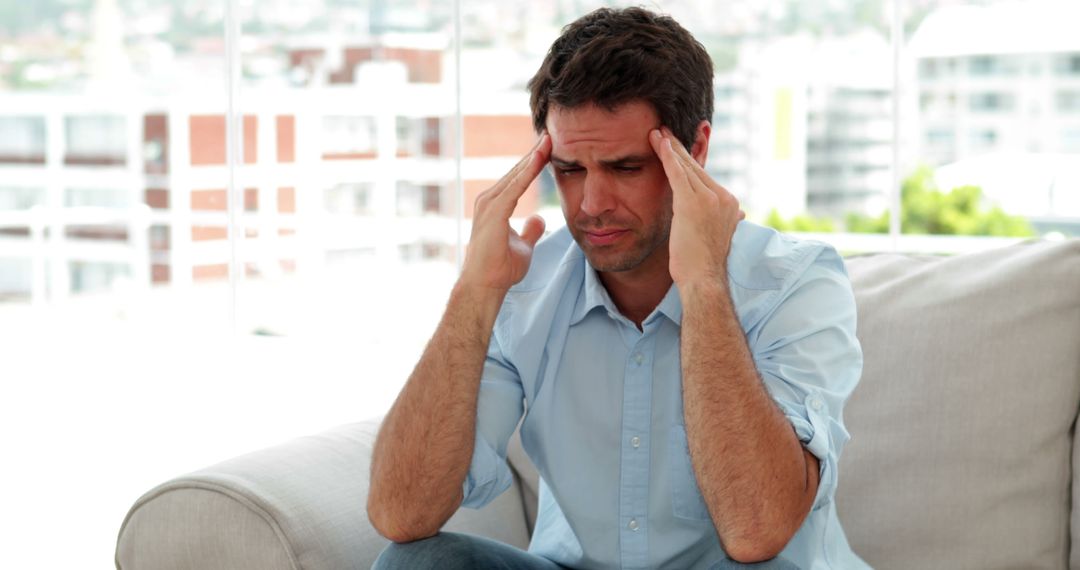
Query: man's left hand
[(704, 216)]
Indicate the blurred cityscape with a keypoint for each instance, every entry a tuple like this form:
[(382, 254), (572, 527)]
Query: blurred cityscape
[(113, 125)]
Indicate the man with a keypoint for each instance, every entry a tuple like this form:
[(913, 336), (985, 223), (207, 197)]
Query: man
[(681, 373)]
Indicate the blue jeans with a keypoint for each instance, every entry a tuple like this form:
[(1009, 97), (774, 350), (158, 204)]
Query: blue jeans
[(451, 550)]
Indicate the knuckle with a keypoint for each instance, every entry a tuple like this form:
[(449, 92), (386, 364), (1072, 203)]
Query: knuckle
[(482, 201)]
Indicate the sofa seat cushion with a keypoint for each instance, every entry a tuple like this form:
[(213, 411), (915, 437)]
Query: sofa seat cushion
[(961, 427)]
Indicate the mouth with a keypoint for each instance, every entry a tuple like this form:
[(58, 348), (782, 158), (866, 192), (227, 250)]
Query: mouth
[(604, 237)]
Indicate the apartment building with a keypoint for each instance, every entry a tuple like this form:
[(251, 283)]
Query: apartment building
[(999, 106), (1000, 77), (804, 125), (107, 186)]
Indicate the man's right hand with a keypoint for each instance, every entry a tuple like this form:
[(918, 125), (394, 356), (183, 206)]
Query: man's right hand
[(425, 444), (498, 257)]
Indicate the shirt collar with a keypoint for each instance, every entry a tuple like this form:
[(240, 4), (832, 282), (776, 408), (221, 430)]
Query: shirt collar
[(671, 306), (595, 295)]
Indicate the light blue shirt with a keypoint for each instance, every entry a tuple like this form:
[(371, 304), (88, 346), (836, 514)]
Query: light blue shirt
[(604, 412)]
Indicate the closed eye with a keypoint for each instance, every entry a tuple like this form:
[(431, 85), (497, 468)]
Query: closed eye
[(627, 168), (567, 171)]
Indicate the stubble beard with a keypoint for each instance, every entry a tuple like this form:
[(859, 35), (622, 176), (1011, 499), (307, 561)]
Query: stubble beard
[(646, 241)]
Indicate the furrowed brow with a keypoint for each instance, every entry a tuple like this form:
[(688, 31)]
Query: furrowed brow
[(563, 163), (632, 160)]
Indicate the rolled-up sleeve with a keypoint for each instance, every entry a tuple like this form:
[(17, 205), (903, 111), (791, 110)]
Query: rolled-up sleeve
[(810, 361), (498, 410)]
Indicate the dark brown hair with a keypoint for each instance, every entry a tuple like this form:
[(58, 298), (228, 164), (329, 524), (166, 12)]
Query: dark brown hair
[(614, 56)]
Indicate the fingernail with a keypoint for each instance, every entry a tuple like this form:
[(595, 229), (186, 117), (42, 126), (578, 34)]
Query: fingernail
[(655, 133)]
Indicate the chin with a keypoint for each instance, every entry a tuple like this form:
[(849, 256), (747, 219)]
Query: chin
[(612, 263)]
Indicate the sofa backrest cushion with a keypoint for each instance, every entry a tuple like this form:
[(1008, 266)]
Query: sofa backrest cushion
[(962, 425)]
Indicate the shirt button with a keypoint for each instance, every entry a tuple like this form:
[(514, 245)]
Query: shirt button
[(635, 441), (638, 358), (633, 525), (816, 404)]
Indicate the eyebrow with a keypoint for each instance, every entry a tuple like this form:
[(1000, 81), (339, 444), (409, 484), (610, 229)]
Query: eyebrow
[(630, 160)]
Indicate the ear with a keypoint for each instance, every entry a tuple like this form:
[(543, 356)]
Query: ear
[(700, 150)]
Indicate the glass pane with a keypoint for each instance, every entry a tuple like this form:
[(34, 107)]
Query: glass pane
[(112, 253), (994, 149), (351, 225)]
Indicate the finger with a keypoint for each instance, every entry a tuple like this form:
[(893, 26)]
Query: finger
[(673, 168), (520, 166), (691, 164), (537, 160), (694, 166), (533, 230)]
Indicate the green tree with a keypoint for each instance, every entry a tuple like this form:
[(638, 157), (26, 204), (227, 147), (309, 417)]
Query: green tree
[(800, 223), (927, 210)]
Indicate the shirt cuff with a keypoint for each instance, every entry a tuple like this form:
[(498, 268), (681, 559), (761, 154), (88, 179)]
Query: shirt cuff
[(812, 425), (488, 476)]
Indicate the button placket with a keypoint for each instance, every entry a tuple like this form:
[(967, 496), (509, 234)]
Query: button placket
[(634, 463)]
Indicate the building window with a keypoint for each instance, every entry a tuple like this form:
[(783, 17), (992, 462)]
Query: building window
[(95, 276), (1069, 64), (929, 69), (432, 199), (1070, 140), (95, 197), (939, 137), (1068, 101), (408, 136), (349, 199), (982, 65), (432, 136), (22, 140), (990, 102), (95, 140), (348, 138), (983, 139), (410, 199), (21, 198), (156, 144)]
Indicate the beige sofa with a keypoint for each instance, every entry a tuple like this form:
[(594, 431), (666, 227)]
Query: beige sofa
[(962, 453)]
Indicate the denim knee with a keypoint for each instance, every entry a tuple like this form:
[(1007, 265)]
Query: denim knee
[(444, 550), (771, 564)]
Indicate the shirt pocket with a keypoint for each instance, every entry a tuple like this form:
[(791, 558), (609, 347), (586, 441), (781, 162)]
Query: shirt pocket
[(686, 500)]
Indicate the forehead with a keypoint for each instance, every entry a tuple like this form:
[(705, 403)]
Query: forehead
[(588, 126)]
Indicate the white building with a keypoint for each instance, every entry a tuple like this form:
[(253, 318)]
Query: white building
[(805, 125), (1000, 77), (999, 104)]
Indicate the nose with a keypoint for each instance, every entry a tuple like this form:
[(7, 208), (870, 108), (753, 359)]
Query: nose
[(597, 196)]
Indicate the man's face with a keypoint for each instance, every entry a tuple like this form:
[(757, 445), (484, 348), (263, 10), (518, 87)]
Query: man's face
[(615, 196)]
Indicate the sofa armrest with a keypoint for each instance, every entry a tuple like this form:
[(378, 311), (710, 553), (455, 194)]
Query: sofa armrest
[(298, 505)]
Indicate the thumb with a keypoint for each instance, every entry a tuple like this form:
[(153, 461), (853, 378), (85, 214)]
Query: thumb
[(533, 230)]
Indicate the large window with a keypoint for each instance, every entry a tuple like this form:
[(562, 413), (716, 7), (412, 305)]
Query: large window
[(226, 223)]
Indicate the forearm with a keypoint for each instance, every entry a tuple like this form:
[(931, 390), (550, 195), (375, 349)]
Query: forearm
[(425, 444), (754, 474)]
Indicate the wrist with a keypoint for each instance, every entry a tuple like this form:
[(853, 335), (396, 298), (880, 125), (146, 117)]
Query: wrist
[(704, 292), (709, 284), (485, 300)]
